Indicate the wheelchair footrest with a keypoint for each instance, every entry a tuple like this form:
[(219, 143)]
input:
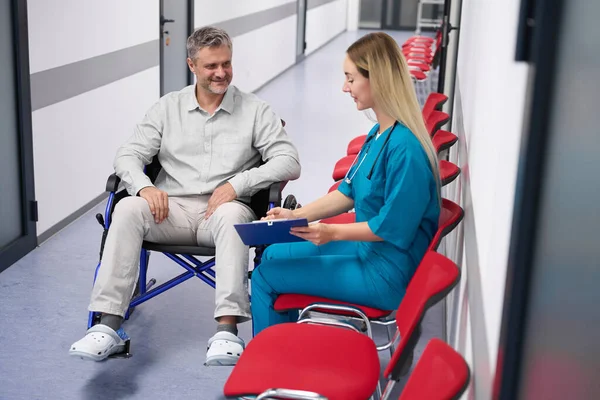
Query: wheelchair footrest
[(126, 353)]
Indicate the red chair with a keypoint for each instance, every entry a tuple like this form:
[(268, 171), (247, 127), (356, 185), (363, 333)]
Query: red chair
[(435, 121), (335, 363), (440, 374), (443, 140), (448, 172), (451, 214), (343, 218), (434, 101), (334, 186), (342, 166), (420, 66), (355, 145), (418, 75)]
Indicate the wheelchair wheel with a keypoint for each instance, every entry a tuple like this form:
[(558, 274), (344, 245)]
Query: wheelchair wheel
[(290, 202)]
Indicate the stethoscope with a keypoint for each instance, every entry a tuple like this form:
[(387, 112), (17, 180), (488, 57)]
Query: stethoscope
[(367, 147)]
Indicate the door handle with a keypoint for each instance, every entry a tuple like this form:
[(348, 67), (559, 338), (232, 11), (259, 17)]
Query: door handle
[(163, 20)]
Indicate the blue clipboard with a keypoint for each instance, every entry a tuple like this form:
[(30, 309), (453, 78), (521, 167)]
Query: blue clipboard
[(270, 231)]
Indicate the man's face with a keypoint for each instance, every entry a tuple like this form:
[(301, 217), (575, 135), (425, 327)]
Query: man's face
[(212, 67)]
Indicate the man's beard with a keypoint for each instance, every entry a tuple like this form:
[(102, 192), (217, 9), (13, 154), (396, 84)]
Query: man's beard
[(220, 90)]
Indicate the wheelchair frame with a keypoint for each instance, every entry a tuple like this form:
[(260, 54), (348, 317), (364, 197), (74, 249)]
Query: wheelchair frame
[(261, 202)]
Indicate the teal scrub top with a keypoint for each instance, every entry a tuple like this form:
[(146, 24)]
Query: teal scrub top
[(395, 192)]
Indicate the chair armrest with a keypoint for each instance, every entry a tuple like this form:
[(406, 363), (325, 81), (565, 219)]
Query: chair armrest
[(112, 183), (275, 193)]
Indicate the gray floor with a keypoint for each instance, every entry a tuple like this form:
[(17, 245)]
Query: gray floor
[(44, 296)]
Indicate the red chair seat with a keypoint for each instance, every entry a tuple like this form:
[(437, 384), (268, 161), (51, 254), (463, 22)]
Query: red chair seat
[(441, 373), (344, 218), (286, 302), (448, 172), (425, 39), (419, 75), (421, 66), (355, 145), (341, 167), (443, 140), (337, 363)]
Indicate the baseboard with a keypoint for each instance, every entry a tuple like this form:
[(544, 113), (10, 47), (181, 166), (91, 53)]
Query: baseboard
[(54, 229)]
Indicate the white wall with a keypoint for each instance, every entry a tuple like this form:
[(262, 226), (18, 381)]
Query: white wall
[(258, 55), (353, 14), (487, 117), (75, 140), (323, 23)]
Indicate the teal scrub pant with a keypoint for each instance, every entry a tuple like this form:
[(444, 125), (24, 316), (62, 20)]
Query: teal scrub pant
[(333, 270)]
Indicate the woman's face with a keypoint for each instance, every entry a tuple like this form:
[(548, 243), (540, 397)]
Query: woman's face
[(357, 86)]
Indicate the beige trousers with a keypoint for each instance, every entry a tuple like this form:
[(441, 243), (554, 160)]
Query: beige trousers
[(132, 222)]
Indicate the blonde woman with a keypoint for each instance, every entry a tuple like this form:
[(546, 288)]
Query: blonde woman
[(393, 185)]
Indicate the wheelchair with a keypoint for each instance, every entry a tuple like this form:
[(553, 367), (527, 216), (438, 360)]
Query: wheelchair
[(185, 256)]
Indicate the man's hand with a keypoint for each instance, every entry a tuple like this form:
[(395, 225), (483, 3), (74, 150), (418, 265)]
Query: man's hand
[(222, 194), (158, 202), (318, 234)]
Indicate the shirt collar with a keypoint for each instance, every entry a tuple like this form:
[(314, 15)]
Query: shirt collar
[(227, 103)]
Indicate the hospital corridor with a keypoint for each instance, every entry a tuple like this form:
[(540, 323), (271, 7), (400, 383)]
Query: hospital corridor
[(307, 199)]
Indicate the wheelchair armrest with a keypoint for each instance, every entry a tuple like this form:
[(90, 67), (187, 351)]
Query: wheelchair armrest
[(112, 183), (275, 193)]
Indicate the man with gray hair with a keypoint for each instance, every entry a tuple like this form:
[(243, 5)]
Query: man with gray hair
[(210, 139)]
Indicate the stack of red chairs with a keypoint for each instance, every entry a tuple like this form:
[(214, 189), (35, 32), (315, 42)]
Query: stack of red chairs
[(421, 53)]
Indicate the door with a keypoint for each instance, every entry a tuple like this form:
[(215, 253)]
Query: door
[(175, 26), (18, 211), (551, 321), (301, 30), (402, 14)]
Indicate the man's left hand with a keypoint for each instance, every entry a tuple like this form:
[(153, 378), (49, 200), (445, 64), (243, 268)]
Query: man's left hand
[(222, 194)]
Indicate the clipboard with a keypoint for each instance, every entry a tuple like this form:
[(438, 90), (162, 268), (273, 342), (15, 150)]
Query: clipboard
[(270, 231)]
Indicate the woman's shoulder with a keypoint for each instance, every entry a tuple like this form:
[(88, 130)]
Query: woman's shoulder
[(403, 140)]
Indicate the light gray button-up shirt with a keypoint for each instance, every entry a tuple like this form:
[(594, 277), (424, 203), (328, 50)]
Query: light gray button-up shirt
[(199, 152)]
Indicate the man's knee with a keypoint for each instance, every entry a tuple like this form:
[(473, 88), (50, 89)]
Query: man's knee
[(232, 213), (130, 208)]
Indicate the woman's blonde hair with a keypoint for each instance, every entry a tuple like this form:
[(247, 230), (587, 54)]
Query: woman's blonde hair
[(378, 58)]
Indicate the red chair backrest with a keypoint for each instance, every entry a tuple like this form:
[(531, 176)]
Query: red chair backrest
[(342, 166), (443, 140), (440, 374), (334, 186), (434, 102), (435, 277), (355, 145), (435, 121), (450, 216)]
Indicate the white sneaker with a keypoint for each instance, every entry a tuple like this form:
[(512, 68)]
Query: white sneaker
[(99, 342), (224, 348)]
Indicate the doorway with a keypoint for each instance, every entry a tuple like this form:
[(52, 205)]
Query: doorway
[(301, 30), (176, 24), (18, 209)]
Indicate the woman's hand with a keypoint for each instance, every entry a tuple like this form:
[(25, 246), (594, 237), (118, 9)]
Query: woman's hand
[(278, 213), (318, 234)]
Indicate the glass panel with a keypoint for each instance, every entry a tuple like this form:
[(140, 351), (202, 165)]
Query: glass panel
[(10, 172), (370, 14)]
